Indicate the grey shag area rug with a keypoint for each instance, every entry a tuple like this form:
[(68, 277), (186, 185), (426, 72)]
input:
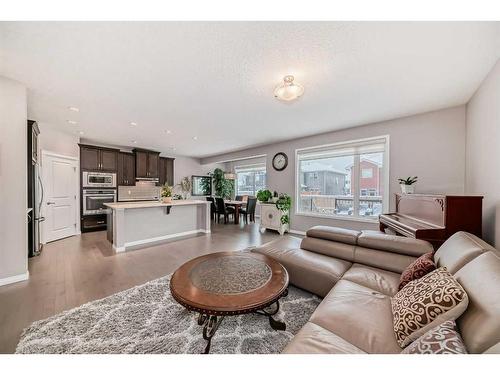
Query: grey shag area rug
[(146, 319)]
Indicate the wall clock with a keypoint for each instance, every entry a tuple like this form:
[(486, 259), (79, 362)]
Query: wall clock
[(280, 161)]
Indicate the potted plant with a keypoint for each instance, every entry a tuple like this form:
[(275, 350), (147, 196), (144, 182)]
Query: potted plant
[(283, 204), (407, 184), (223, 188), (166, 193), (264, 195)]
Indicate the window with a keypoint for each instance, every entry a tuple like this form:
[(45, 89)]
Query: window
[(343, 180), (366, 173), (250, 179)]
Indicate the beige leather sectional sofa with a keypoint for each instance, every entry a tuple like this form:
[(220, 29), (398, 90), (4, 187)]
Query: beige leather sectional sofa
[(357, 273)]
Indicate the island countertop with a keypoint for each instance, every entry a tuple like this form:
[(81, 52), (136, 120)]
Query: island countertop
[(152, 204)]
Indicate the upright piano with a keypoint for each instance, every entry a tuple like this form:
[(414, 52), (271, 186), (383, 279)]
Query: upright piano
[(434, 218)]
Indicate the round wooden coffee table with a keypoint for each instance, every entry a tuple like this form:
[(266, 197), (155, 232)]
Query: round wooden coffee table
[(230, 283)]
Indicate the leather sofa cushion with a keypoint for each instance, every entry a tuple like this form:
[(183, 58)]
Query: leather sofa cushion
[(360, 316), (396, 244), (330, 248), (382, 259), (385, 282), (460, 249), (314, 272), (313, 339), (480, 323), (334, 234)]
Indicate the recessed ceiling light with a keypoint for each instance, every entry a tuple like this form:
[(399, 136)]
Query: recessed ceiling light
[(168, 131), (195, 138), (74, 109), (72, 122), (133, 123)]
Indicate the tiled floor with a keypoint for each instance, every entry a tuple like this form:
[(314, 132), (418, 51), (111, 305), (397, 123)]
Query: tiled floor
[(80, 269)]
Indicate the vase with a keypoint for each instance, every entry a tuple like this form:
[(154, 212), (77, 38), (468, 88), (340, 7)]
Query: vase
[(167, 199), (407, 189)]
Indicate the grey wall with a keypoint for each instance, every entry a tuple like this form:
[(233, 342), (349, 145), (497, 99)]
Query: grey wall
[(13, 179), (429, 145), (483, 152)]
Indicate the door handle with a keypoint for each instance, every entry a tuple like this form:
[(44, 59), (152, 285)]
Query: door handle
[(49, 203)]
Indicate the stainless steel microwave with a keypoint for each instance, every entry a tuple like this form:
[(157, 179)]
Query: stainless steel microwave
[(98, 179)]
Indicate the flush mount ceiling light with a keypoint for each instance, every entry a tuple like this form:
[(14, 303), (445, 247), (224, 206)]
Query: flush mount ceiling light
[(288, 90), (74, 109), (195, 138), (133, 123)]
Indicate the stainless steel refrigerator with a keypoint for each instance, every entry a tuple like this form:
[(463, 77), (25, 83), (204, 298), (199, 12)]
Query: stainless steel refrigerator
[(35, 191)]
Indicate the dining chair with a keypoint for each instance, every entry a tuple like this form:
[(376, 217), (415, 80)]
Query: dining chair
[(213, 207), (249, 210), (238, 197), (222, 209)]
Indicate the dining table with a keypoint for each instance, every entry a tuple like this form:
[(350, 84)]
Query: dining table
[(237, 207)]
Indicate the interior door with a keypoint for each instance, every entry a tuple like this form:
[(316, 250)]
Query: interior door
[(60, 197)]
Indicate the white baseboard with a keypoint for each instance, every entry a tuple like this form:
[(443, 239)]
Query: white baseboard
[(159, 239), (15, 278), (299, 232)]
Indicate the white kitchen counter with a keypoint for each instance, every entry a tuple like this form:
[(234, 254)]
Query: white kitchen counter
[(139, 224), (148, 204)]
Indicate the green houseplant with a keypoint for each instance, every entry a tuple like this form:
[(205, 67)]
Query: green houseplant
[(407, 184), (166, 193), (223, 188), (264, 195), (284, 203)]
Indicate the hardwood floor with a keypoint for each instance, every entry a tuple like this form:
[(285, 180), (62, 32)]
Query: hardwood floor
[(79, 269)]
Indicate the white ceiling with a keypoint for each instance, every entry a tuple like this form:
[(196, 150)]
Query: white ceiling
[(215, 80)]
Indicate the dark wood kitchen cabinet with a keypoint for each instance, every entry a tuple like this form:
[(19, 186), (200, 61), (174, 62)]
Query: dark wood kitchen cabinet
[(93, 158), (126, 169), (166, 171), (146, 163)]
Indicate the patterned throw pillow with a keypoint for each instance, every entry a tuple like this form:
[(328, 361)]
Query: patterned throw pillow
[(425, 303), (443, 339), (418, 268)]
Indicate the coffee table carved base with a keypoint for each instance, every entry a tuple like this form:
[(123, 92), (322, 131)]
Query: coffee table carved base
[(211, 323)]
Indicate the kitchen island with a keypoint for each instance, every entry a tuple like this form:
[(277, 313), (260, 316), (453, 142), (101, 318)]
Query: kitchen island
[(138, 224)]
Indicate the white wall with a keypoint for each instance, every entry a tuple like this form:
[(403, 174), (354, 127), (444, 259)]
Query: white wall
[(13, 181), (430, 146), (483, 152), (58, 142)]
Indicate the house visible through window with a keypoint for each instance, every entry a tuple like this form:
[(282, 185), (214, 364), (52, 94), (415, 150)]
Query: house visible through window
[(343, 180), (250, 179)]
